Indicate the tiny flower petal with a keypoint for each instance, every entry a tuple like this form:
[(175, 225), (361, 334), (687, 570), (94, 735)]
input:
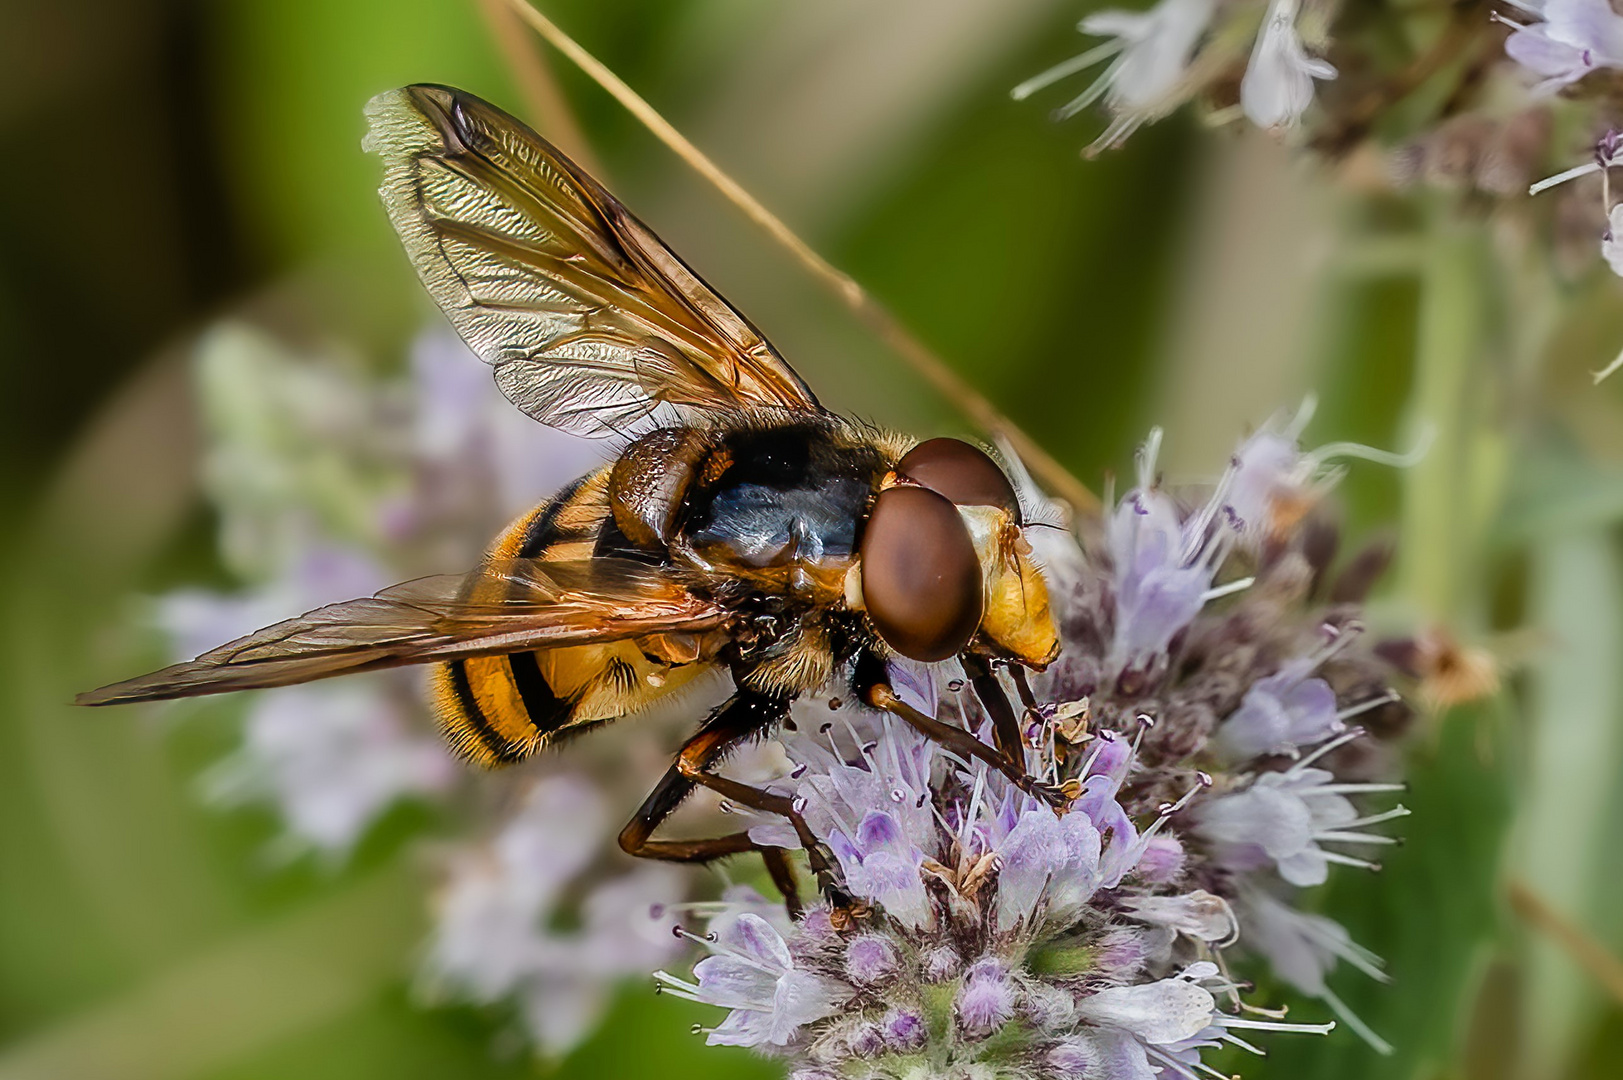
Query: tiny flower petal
[(1030, 855), (1611, 247), (1574, 38), (1165, 1011), (1163, 860), (1278, 83), (1156, 46), (869, 958), (1279, 714)]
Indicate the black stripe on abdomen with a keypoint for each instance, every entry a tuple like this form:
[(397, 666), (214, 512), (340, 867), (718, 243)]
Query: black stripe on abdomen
[(548, 712), (499, 747), (539, 534)]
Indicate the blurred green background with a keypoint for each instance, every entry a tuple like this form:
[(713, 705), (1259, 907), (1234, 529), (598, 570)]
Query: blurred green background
[(169, 162)]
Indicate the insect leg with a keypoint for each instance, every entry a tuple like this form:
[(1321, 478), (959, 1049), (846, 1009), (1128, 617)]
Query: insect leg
[(879, 694), (741, 717), (1005, 728), (817, 856), (635, 838), (1022, 686), (783, 877)]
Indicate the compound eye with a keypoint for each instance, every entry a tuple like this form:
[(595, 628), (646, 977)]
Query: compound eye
[(961, 472), (921, 579)]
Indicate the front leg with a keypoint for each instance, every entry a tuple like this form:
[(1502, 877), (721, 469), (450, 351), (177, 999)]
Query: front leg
[(874, 688), (1005, 727)]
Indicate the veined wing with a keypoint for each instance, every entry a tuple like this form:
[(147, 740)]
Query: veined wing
[(505, 606), (589, 320)]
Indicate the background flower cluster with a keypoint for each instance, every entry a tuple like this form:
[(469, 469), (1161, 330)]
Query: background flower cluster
[(330, 483)]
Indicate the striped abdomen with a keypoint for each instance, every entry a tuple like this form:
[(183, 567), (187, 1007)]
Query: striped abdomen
[(495, 710)]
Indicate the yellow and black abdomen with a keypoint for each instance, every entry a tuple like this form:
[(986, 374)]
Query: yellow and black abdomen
[(495, 710)]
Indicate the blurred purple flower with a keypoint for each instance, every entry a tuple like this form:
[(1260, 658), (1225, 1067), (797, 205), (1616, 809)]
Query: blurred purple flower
[(196, 620), (332, 483), (494, 936), (1303, 948), (331, 757)]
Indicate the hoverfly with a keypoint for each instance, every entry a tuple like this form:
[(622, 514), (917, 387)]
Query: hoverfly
[(747, 529)]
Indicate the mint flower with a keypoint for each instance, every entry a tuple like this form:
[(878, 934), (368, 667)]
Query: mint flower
[(1149, 52), (495, 938), (988, 940), (1282, 818), (1303, 948), (751, 973)]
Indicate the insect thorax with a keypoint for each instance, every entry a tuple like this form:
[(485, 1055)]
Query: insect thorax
[(777, 505)]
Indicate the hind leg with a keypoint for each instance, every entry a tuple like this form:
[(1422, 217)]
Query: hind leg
[(743, 716)]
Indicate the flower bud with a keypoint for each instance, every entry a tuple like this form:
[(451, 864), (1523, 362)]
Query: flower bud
[(986, 1001), (1163, 860), (942, 963), (870, 959), (904, 1031)]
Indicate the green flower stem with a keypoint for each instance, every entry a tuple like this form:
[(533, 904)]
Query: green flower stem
[(1446, 493)]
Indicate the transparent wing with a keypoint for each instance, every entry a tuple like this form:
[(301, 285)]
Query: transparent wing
[(505, 606), (588, 319)]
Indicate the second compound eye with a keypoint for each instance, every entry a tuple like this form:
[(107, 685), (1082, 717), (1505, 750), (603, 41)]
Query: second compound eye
[(961, 472), (921, 578)]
